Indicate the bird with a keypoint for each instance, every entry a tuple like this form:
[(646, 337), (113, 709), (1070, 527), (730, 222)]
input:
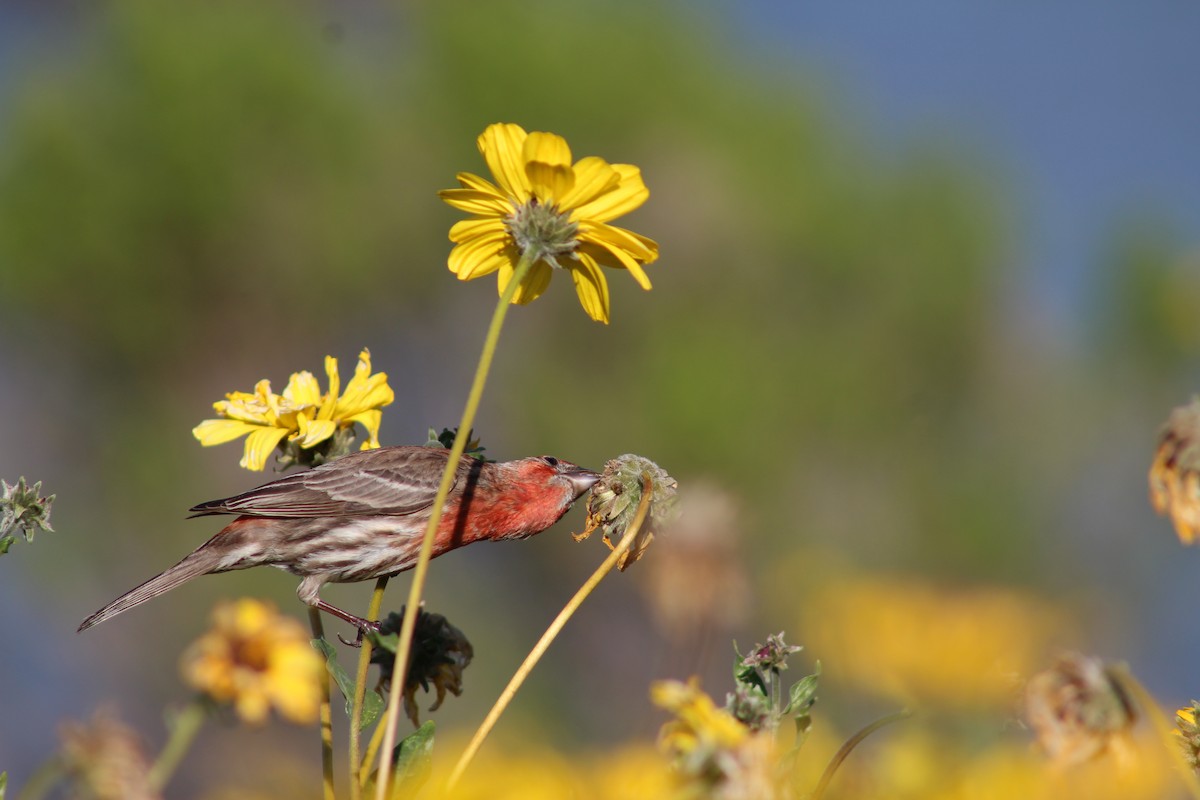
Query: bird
[(363, 516)]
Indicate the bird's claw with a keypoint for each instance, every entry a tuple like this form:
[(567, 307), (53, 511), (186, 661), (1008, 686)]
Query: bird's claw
[(364, 626)]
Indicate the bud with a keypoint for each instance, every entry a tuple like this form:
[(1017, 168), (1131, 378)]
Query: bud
[(22, 510)]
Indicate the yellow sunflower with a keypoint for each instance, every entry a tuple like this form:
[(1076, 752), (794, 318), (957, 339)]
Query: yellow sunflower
[(552, 210)]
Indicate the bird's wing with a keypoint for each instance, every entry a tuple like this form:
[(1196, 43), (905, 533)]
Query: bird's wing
[(390, 480)]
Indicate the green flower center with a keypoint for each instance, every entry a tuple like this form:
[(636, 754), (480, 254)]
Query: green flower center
[(542, 231)]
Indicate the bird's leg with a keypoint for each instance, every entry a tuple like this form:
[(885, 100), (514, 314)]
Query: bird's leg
[(363, 625)]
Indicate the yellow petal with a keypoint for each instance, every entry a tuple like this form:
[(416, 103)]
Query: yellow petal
[(314, 432), (536, 281), (593, 177), (548, 166), (370, 420), (467, 229), (259, 445), (483, 204), (591, 287), (219, 431), (627, 195), (640, 247), (501, 145), (303, 389), (609, 256), (469, 180), (477, 257)]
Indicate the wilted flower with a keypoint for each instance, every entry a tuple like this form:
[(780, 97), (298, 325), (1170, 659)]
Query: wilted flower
[(309, 427), (255, 658), (22, 510), (106, 760), (440, 653), (554, 211), (1078, 709), (614, 501), (1175, 474)]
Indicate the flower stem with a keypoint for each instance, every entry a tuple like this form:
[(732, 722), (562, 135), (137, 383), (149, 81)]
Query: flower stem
[(556, 626), (364, 772), (404, 646), (183, 732), (318, 631), (1134, 690), (844, 751), (360, 689)]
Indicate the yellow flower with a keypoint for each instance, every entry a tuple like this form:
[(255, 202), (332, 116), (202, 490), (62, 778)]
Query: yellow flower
[(301, 415), (554, 210), (698, 722), (257, 659)]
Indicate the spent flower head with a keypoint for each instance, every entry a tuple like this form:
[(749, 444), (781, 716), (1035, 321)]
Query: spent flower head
[(614, 500), (22, 511), (440, 653), (554, 211), (106, 760), (1078, 709), (1175, 474), (308, 427), (256, 659)]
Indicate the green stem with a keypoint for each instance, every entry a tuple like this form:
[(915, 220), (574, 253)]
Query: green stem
[(42, 780), (435, 517), (360, 689), (183, 732), (543, 644), (364, 773), (326, 712), (1134, 690), (851, 743)]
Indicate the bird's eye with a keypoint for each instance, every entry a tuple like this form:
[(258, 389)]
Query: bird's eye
[(551, 460)]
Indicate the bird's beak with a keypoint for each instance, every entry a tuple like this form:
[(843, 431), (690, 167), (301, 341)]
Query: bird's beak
[(582, 479)]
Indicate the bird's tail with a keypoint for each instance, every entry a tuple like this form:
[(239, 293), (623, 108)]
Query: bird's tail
[(200, 562)]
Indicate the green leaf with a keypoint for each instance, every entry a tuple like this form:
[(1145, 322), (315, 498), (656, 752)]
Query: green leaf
[(3, 784), (748, 674), (413, 759), (372, 700), (5, 543), (803, 694)]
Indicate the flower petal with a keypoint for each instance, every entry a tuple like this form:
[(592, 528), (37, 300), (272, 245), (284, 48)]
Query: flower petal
[(302, 389), (466, 229), (642, 248), (501, 145), (548, 166), (259, 446), (220, 431), (316, 431), (616, 258), (483, 204), (593, 177), (591, 287), (370, 420), (477, 257), (469, 180), (629, 193), (536, 281)]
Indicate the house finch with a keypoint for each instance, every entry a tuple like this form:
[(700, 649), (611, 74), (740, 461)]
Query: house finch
[(363, 516)]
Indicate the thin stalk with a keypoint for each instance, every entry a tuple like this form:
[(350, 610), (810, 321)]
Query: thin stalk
[(851, 743), (435, 517), (183, 732), (326, 713), (543, 644), (42, 780), (1134, 690), (360, 689)]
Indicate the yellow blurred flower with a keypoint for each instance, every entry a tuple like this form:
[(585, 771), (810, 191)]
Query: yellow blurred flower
[(556, 211), (302, 414), (1175, 474), (257, 659), (920, 643)]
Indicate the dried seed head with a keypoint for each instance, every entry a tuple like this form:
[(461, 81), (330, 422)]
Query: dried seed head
[(615, 498)]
